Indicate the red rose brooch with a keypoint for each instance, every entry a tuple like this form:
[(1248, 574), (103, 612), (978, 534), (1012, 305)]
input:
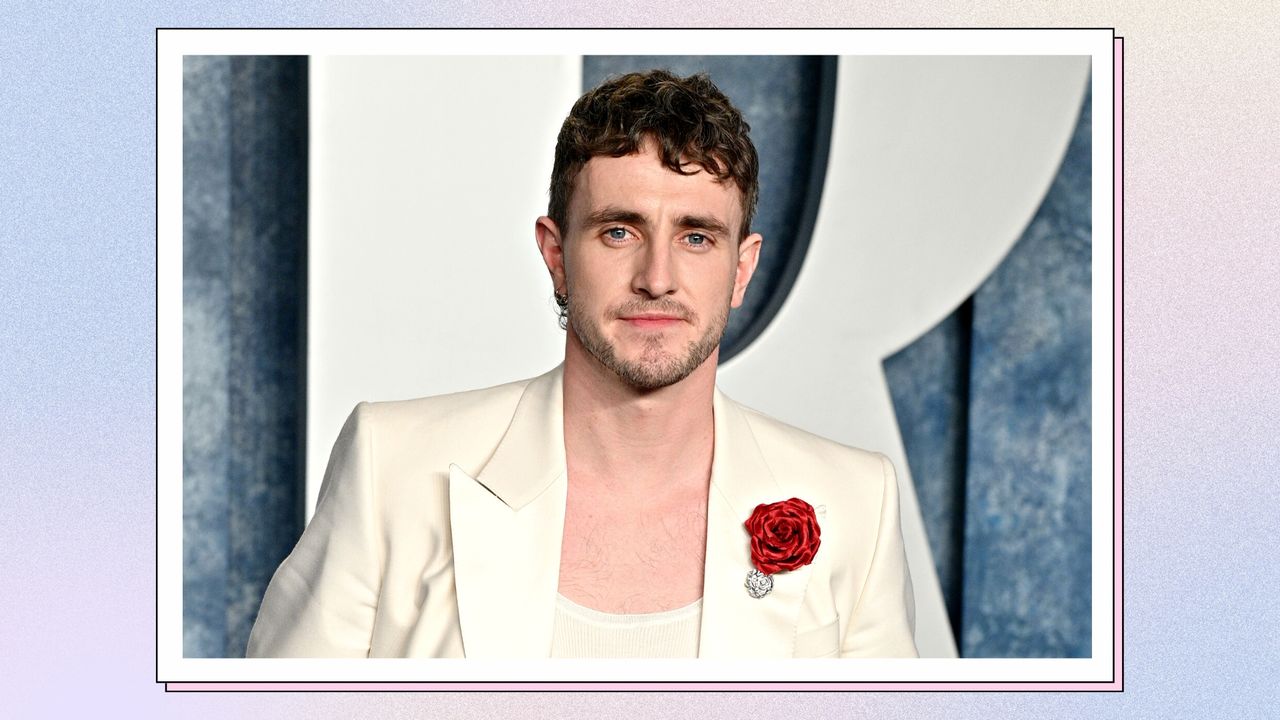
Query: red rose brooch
[(784, 536)]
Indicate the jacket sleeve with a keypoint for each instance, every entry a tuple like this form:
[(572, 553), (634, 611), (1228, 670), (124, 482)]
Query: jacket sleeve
[(883, 622), (322, 600)]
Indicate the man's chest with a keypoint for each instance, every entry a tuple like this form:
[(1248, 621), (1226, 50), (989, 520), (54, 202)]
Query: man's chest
[(633, 557)]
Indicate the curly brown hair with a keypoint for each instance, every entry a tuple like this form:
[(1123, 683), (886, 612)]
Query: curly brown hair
[(691, 120)]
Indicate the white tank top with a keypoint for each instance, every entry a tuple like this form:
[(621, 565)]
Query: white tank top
[(581, 632)]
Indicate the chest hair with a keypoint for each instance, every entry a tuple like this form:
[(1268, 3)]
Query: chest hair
[(632, 558)]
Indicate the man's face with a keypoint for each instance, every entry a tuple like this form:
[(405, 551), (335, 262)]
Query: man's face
[(651, 265)]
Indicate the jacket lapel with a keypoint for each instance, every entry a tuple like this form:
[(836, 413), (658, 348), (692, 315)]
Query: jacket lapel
[(507, 524), (735, 625)]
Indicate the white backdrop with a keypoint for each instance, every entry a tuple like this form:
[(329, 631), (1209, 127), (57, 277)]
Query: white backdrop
[(427, 174)]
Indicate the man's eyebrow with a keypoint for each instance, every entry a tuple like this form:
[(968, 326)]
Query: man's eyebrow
[(607, 215), (703, 222)]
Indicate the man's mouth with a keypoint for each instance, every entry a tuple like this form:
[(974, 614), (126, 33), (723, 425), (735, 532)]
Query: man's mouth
[(651, 320)]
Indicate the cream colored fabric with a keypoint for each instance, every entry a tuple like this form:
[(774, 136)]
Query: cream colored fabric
[(437, 534), (583, 632)]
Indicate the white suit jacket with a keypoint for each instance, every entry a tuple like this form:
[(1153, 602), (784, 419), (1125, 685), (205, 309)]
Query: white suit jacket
[(438, 530)]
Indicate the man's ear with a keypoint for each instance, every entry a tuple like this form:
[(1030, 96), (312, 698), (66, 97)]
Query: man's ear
[(551, 247), (748, 256)]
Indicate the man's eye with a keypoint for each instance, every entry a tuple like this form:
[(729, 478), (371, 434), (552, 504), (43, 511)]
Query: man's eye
[(617, 233), (697, 239)]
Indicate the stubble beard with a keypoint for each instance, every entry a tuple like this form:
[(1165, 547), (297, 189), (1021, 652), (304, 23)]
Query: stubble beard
[(656, 367)]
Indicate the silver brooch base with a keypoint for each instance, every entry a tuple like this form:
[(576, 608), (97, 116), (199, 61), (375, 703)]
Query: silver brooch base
[(758, 584)]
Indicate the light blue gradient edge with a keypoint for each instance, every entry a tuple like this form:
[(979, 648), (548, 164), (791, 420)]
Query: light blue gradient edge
[(77, 394)]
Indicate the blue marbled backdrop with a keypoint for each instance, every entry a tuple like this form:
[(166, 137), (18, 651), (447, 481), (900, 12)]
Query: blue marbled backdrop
[(244, 360)]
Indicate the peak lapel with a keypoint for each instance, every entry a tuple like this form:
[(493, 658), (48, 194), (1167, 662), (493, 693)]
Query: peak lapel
[(507, 524), (735, 625)]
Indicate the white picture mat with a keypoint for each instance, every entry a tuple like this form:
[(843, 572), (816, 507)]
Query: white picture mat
[(1096, 44)]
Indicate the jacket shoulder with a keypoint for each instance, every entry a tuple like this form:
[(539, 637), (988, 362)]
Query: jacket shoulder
[(825, 460), (425, 435), (453, 413)]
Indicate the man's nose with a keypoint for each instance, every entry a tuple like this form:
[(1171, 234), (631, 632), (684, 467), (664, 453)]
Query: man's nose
[(655, 277)]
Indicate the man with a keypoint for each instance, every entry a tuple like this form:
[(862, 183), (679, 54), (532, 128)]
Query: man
[(619, 505)]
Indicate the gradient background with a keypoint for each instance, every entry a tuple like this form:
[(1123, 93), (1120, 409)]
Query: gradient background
[(77, 339)]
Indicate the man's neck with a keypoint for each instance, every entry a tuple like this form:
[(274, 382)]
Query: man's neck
[(656, 443)]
